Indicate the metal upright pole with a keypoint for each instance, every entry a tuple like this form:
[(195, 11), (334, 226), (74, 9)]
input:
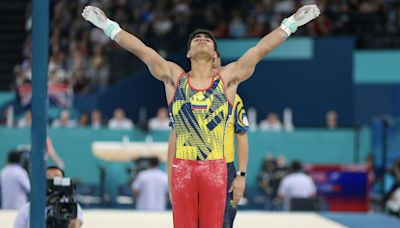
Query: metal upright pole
[(40, 56)]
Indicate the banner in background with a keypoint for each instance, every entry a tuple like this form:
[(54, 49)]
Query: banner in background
[(342, 187), (60, 94)]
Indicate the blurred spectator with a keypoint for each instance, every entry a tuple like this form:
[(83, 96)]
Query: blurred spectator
[(269, 163), (237, 28), (296, 185), (151, 188), (393, 203), (57, 72), (161, 121), (119, 121), (255, 26), (371, 167), (26, 121), (392, 198), (20, 77), (322, 26), (284, 6), (83, 120), (7, 117), (269, 177), (342, 14), (14, 182), (374, 24), (81, 82), (96, 120), (271, 123), (97, 36), (64, 121), (222, 29), (27, 66), (161, 27), (98, 71), (281, 167), (331, 120), (393, 19), (266, 180)]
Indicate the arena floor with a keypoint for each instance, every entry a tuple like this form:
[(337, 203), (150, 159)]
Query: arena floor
[(245, 219)]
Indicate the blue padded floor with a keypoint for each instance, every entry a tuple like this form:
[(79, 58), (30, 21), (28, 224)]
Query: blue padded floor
[(364, 220)]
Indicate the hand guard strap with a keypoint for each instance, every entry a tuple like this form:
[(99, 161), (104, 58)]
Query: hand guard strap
[(112, 28), (289, 26)]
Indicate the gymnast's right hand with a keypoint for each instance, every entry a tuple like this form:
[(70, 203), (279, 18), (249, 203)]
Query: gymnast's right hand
[(97, 17), (302, 16)]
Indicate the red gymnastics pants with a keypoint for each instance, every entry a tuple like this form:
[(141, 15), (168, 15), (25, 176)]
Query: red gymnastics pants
[(198, 193)]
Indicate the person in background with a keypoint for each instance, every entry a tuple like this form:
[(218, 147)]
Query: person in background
[(22, 219), (96, 120), (271, 123), (271, 173), (281, 167), (392, 197), (236, 130), (331, 120), (64, 121), (151, 188), (266, 177), (26, 121), (7, 117), (83, 120), (14, 182), (161, 121), (297, 184), (119, 121), (236, 178)]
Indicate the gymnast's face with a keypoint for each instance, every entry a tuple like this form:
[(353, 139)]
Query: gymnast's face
[(203, 45)]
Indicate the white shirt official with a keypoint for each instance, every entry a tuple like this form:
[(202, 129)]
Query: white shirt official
[(125, 124), (266, 126), (296, 185), (15, 186), (157, 124), (152, 186)]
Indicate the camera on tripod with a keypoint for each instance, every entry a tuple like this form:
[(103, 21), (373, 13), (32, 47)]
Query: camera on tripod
[(61, 203)]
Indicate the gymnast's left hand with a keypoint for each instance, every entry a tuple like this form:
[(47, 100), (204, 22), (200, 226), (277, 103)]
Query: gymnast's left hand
[(238, 187)]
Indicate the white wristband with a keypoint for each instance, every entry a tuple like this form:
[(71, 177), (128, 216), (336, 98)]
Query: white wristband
[(289, 25), (286, 29), (112, 28)]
